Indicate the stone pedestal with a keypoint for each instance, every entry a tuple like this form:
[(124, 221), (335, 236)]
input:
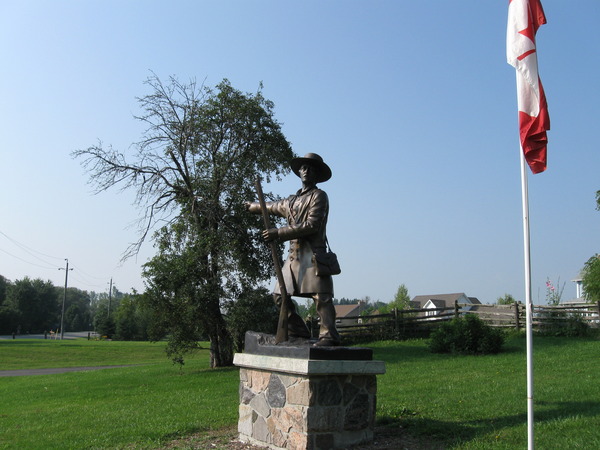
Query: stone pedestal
[(299, 402)]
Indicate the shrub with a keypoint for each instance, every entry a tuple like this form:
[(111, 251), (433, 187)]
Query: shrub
[(562, 325), (467, 335)]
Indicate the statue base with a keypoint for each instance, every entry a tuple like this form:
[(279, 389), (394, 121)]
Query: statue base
[(295, 396)]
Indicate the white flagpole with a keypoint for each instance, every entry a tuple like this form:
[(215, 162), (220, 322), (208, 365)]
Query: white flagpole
[(528, 302)]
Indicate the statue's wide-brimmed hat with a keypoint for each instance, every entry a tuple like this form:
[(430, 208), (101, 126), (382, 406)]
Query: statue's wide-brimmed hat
[(323, 170)]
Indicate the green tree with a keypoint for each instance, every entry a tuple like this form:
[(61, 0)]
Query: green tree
[(78, 315), (254, 310), (401, 301), (311, 311), (104, 324), (373, 306), (9, 315), (126, 324), (4, 283), (591, 279), (103, 318), (507, 299), (193, 169), (133, 319), (9, 319), (36, 302)]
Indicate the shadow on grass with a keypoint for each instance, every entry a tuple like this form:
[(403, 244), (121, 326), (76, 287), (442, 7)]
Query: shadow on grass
[(403, 352), (451, 432), (560, 341)]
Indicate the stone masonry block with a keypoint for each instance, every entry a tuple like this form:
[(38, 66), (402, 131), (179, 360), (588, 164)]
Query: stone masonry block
[(289, 380), (296, 404), (323, 418), (278, 436), (260, 431), (291, 418), (245, 394), (348, 438), (357, 413), (260, 405), (298, 441), (371, 384), (276, 392), (324, 440), (301, 394), (350, 392), (259, 380), (246, 420), (329, 392)]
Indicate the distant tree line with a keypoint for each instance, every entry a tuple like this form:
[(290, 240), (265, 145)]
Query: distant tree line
[(32, 306), (35, 306)]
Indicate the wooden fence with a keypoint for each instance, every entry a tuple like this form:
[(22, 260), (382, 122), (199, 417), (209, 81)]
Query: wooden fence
[(410, 323)]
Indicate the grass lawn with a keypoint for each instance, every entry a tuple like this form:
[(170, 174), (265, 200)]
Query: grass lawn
[(475, 402), (45, 354), (463, 402), (142, 406)]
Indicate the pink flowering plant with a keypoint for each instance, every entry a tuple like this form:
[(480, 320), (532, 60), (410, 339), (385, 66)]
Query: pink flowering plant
[(553, 294)]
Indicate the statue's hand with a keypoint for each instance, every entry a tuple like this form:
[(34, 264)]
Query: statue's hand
[(270, 235)]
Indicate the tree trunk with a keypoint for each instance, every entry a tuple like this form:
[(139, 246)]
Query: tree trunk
[(221, 344)]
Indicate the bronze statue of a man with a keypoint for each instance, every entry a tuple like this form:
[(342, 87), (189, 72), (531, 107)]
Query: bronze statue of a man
[(306, 213)]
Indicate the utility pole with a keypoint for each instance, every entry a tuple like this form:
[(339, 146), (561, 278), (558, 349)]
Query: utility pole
[(109, 297), (62, 316)]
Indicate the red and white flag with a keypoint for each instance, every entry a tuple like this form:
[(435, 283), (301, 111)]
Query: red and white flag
[(524, 19)]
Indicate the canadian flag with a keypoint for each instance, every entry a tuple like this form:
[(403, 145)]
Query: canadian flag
[(524, 19)]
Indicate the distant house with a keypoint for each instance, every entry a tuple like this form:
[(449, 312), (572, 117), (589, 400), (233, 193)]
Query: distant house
[(579, 289), (346, 315), (436, 301)]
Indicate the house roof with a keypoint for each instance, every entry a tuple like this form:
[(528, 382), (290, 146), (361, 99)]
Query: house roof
[(441, 300), (436, 303), (347, 310)]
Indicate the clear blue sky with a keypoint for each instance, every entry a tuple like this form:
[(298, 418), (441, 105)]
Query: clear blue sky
[(412, 104)]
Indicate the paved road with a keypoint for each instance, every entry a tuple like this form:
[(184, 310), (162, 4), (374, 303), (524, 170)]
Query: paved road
[(68, 335)]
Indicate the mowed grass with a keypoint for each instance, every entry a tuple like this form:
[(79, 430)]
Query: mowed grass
[(44, 354), (143, 406), (479, 402), (460, 402)]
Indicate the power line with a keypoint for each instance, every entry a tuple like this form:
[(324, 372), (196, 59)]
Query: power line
[(28, 262), (87, 283), (87, 274), (29, 250), (49, 265)]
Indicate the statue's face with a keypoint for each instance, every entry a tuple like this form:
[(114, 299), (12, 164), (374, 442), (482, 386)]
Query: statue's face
[(308, 174)]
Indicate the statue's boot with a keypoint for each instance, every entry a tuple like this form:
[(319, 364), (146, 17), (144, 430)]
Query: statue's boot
[(328, 333)]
